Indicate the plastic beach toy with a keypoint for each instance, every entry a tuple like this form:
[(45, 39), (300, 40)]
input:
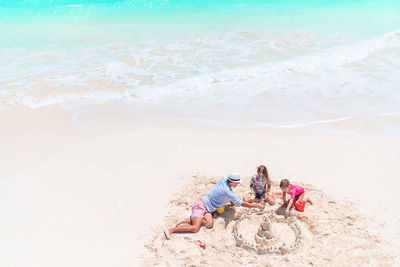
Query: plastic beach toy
[(202, 244), (300, 205), (221, 210)]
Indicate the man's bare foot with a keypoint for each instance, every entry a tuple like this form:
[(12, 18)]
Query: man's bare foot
[(167, 234), (187, 221)]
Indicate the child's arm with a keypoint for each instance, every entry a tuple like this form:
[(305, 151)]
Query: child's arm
[(268, 189), (288, 207), (252, 186), (252, 190)]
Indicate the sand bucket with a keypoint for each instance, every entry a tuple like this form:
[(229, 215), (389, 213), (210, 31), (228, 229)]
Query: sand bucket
[(221, 210), (300, 205)]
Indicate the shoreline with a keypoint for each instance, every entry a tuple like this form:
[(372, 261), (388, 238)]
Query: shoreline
[(71, 186)]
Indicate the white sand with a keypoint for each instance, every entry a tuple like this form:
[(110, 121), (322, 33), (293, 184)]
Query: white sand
[(334, 233), (92, 195), (250, 227)]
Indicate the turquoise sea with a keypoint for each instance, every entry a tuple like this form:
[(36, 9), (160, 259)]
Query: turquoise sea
[(236, 63)]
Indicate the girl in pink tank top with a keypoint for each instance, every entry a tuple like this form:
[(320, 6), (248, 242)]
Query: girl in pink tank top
[(296, 192)]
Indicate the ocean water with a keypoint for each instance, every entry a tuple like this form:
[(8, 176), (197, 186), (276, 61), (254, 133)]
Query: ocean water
[(233, 63)]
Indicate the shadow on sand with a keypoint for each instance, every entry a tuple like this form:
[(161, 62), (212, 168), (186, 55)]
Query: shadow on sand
[(228, 215)]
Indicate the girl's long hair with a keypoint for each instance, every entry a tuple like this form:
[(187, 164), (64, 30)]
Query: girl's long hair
[(262, 169)]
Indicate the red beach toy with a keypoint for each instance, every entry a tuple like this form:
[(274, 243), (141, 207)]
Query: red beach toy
[(300, 205), (202, 244)]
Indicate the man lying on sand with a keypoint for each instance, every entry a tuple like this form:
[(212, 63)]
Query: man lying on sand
[(217, 198)]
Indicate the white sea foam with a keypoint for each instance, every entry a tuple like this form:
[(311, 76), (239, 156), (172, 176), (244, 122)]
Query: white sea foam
[(240, 77), (305, 124), (330, 59)]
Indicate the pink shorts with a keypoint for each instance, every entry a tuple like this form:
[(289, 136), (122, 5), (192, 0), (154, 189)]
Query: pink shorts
[(199, 209)]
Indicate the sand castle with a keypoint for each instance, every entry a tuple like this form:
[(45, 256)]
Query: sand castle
[(316, 237), (266, 240)]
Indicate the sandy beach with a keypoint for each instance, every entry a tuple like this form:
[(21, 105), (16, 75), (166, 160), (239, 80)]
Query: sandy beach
[(330, 233), (94, 194), (117, 116)]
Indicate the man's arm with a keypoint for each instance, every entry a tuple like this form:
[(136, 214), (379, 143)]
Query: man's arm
[(252, 205), (235, 205), (239, 202)]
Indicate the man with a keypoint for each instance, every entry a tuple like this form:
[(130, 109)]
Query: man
[(221, 195)]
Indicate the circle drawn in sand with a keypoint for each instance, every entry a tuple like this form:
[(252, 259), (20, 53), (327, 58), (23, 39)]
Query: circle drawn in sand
[(274, 235)]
